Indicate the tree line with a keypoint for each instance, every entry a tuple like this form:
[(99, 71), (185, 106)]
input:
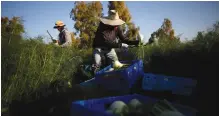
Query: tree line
[(86, 17)]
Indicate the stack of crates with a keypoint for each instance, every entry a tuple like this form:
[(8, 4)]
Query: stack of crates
[(123, 80)]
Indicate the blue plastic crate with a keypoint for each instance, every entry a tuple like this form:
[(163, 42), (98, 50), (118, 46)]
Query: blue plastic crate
[(89, 83), (178, 85), (96, 107), (120, 80)]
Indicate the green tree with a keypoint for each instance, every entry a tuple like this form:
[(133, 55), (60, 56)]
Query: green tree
[(11, 37), (172, 34), (122, 10), (165, 31), (168, 31), (4, 23), (131, 30), (11, 28), (215, 27), (200, 36), (167, 26), (86, 20), (75, 41), (208, 39)]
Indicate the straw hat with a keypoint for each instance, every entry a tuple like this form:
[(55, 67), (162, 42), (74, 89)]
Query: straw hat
[(112, 19), (59, 24)]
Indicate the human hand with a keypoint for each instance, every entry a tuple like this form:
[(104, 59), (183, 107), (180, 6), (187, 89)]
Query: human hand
[(54, 41), (125, 45)]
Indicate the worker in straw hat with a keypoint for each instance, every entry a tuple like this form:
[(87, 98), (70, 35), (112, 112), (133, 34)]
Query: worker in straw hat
[(64, 35), (105, 40)]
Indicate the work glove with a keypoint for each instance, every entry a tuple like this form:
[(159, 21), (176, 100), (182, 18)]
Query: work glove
[(125, 45), (54, 41)]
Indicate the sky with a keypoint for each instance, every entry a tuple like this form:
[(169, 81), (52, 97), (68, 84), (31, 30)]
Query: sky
[(187, 17)]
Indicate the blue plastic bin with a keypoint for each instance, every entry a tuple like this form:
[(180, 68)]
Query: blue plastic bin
[(89, 83), (96, 107), (178, 85), (120, 80)]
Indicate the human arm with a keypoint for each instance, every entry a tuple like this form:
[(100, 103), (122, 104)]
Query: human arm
[(125, 39)]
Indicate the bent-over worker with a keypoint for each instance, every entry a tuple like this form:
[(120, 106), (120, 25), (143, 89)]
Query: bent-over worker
[(108, 31)]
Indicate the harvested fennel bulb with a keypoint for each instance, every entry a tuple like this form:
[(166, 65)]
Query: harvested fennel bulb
[(118, 108)]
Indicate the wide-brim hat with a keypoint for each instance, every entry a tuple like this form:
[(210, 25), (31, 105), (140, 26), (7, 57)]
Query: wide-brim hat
[(59, 24), (113, 19)]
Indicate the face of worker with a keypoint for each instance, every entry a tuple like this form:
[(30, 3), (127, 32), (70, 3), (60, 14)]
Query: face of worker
[(59, 28)]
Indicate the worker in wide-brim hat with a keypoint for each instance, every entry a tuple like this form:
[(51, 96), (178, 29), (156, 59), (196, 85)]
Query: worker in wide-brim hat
[(64, 35), (105, 40)]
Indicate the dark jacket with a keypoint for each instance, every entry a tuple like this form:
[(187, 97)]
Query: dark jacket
[(106, 37), (65, 38)]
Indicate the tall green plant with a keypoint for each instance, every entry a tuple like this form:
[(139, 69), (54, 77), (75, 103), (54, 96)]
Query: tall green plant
[(39, 64)]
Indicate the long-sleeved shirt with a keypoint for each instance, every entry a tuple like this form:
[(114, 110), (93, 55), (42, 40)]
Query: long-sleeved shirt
[(65, 38), (106, 37)]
